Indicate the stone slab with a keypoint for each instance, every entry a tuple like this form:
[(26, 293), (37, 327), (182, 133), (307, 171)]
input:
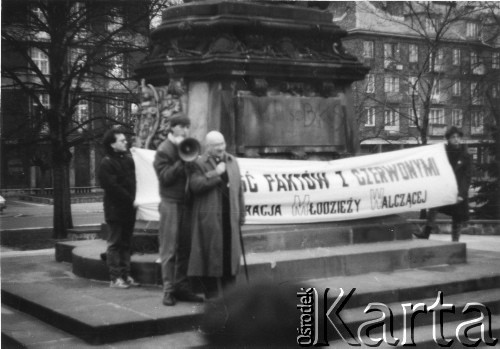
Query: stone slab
[(48, 290), (292, 265)]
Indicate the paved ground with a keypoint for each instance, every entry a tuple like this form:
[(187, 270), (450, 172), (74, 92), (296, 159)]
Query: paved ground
[(22, 214)]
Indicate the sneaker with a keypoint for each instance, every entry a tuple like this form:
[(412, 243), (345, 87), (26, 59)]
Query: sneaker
[(118, 283), (168, 299), (131, 282)]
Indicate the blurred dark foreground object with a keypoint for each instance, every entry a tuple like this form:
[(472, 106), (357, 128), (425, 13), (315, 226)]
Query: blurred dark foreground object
[(261, 315)]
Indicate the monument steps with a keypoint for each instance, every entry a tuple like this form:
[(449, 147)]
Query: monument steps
[(91, 312), (267, 238), (289, 265)]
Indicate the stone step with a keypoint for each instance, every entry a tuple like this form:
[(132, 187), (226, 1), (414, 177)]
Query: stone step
[(292, 265), (20, 330), (258, 238), (95, 313), (266, 238)]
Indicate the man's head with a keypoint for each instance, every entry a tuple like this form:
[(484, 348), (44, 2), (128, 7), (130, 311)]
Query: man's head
[(216, 145), (179, 125), (454, 136), (114, 141)]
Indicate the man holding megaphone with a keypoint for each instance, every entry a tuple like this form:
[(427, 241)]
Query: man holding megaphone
[(174, 231)]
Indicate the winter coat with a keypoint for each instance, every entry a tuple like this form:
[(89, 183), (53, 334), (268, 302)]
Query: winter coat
[(461, 163), (206, 258), (117, 178), (170, 171)]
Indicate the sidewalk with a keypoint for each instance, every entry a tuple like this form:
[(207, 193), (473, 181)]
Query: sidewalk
[(490, 243)]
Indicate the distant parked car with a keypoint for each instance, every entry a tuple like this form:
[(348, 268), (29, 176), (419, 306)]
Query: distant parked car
[(2, 203)]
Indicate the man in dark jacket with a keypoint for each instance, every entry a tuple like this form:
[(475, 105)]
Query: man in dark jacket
[(461, 163), (117, 178), (174, 232), (218, 213)]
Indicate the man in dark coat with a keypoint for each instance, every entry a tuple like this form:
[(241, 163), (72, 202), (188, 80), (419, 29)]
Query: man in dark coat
[(218, 212), (461, 163), (117, 178), (174, 233)]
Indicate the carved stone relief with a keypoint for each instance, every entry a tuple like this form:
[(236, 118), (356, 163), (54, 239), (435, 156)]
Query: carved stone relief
[(158, 104)]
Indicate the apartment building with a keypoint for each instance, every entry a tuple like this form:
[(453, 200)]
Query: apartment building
[(440, 59), (97, 43)]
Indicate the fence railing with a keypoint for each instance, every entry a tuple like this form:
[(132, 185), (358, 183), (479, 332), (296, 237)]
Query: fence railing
[(48, 191)]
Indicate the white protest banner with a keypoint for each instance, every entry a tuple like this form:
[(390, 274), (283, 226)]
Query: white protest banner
[(291, 191)]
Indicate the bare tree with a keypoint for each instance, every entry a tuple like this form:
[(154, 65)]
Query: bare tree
[(426, 81), (63, 54)]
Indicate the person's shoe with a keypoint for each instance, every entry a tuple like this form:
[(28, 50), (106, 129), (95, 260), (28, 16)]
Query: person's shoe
[(131, 282), (168, 299), (424, 234), (118, 283), (188, 296)]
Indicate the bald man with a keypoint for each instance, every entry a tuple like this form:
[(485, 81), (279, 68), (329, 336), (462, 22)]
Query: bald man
[(217, 215)]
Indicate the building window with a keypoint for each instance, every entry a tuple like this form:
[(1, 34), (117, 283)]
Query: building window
[(436, 91), (495, 60), (495, 90), (477, 122), (436, 116), (475, 93), (39, 15), (82, 113), (391, 120), (413, 53), (456, 56), (43, 125), (77, 57), (44, 99), (474, 59), (391, 54), (78, 13), (370, 116), (368, 49), (472, 30), (370, 83), (115, 20), (414, 116), (116, 110), (117, 69), (41, 60), (456, 88), (438, 61), (428, 25), (412, 85), (457, 117), (391, 84)]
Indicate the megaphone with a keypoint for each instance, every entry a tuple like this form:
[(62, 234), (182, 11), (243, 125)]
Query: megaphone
[(189, 149)]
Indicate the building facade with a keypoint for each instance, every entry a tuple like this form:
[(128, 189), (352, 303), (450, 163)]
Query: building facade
[(438, 61), (105, 40)]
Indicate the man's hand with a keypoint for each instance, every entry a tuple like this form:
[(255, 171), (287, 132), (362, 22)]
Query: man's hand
[(221, 168), (460, 199)]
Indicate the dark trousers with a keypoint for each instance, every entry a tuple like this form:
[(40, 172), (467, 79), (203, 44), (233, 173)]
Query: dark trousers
[(456, 225), (175, 245), (119, 248)]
